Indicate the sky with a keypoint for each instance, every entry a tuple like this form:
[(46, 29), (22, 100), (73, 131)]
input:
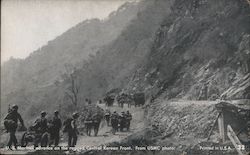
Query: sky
[(26, 25)]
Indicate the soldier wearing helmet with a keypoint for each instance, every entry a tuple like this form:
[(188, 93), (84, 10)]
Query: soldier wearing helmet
[(122, 121), (10, 123), (96, 123), (88, 124), (114, 122), (71, 128), (56, 126), (128, 120), (107, 116), (41, 127)]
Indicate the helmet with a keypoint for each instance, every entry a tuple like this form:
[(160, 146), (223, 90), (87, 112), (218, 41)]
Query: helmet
[(75, 115), (56, 112), (43, 113), (14, 106)]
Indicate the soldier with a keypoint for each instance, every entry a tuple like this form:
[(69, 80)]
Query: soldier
[(130, 97), (88, 124), (139, 99), (114, 122), (128, 119), (41, 127), (86, 101), (89, 102), (107, 116), (96, 123), (122, 121), (56, 126), (10, 122), (73, 131), (51, 132), (109, 100)]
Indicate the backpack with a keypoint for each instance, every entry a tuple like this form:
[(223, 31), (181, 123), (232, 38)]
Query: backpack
[(129, 117), (10, 125), (67, 125)]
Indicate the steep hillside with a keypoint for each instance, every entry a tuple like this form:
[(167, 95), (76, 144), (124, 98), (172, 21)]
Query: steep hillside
[(200, 51), (47, 63), (175, 51), (31, 82), (109, 68), (193, 49)]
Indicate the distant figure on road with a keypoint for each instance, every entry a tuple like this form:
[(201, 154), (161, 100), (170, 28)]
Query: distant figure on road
[(114, 122), (107, 116), (128, 119), (96, 123), (86, 101), (10, 123), (56, 126), (139, 99), (109, 100), (88, 124), (122, 121)]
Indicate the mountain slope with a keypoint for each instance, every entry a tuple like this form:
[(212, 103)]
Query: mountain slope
[(46, 64), (192, 49), (104, 70), (202, 47)]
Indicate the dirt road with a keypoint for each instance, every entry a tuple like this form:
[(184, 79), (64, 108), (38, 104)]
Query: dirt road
[(104, 136)]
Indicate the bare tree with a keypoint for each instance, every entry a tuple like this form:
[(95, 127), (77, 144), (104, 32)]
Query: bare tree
[(72, 90)]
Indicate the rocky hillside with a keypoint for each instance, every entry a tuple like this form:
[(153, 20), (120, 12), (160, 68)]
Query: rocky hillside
[(189, 49), (200, 51)]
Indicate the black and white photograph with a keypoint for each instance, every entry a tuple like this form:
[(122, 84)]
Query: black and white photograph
[(125, 77)]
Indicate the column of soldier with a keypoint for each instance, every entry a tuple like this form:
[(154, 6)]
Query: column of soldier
[(47, 132)]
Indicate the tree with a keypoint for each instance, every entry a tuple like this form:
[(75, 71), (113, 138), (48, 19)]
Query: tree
[(72, 90)]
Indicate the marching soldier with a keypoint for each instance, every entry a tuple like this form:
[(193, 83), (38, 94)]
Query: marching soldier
[(88, 124), (96, 123), (114, 122), (128, 119), (107, 116), (41, 127), (56, 126), (10, 122), (122, 121), (73, 131)]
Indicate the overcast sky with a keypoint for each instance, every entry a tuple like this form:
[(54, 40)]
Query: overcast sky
[(27, 25)]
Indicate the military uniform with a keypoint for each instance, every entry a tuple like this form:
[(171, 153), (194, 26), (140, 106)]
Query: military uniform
[(73, 131), (41, 125), (41, 129), (96, 124), (10, 122), (122, 121), (88, 124), (114, 122), (128, 119), (107, 117), (56, 126)]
